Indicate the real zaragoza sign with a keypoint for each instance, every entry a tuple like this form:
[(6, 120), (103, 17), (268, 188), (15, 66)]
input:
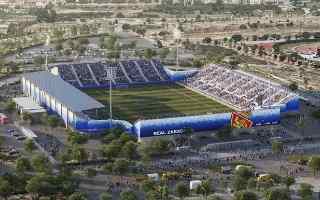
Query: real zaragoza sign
[(169, 132)]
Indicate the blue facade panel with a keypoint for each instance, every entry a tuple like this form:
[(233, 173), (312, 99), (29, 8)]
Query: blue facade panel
[(170, 126)]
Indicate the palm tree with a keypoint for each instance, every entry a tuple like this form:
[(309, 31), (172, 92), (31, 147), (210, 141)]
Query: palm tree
[(164, 192)]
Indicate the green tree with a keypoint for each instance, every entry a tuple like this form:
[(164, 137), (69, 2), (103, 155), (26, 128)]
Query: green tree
[(22, 165), (239, 183), (91, 172), (245, 195), (153, 195), (277, 147), (141, 32), (111, 150), (252, 183), (79, 153), (76, 138), (120, 166), (164, 192), (305, 191), (29, 145), (105, 196), (148, 185), (110, 43), (5, 188), (40, 163), (149, 53), (288, 181), (245, 172), (293, 86), (314, 164), (128, 195), (277, 194), (53, 121), (10, 106), (129, 150), (236, 37), (77, 196), (163, 53), (182, 190), (41, 185), (207, 40), (204, 189)]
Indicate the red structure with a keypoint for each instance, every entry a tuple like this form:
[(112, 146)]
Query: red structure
[(241, 120), (3, 119)]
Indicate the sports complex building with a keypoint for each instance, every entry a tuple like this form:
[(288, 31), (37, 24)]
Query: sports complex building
[(150, 100)]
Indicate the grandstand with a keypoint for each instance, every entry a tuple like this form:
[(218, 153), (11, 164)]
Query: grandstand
[(145, 107), (238, 89), (128, 72)]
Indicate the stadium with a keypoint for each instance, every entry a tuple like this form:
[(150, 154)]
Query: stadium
[(151, 100)]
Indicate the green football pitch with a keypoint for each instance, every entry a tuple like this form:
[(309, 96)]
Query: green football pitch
[(155, 101)]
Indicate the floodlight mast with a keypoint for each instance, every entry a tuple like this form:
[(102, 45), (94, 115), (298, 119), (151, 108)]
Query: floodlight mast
[(110, 75)]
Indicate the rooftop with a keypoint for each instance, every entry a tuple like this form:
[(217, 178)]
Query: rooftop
[(69, 96)]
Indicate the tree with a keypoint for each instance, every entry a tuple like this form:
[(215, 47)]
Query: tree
[(120, 166), (153, 195), (91, 172), (245, 195), (288, 181), (41, 185), (5, 188), (10, 106), (215, 197), (111, 150), (277, 194), (236, 37), (29, 145), (125, 26), (79, 153), (40, 163), (58, 46), (293, 86), (277, 147), (182, 190), (53, 121), (305, 191), (164, 192), (77, 196), (252, 183), (239, 183), (105, 196), (149, 53), (141, 32), (148, 185), (128, 195), (314, 164), (163, 53), (22, 165), (129, 150), (204, 189), (120, 15), (207, 40), (111, 42), (76, 138), (245, 172)]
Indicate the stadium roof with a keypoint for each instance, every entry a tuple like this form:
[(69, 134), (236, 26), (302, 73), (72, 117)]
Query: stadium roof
[(64, 92)]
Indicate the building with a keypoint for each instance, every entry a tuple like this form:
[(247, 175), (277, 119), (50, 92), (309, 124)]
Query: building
[(58, 96)]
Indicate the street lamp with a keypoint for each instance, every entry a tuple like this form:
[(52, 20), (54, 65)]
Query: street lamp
[(110, 75)]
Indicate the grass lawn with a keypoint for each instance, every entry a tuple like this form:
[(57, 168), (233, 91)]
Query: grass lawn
[(155, 101)]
